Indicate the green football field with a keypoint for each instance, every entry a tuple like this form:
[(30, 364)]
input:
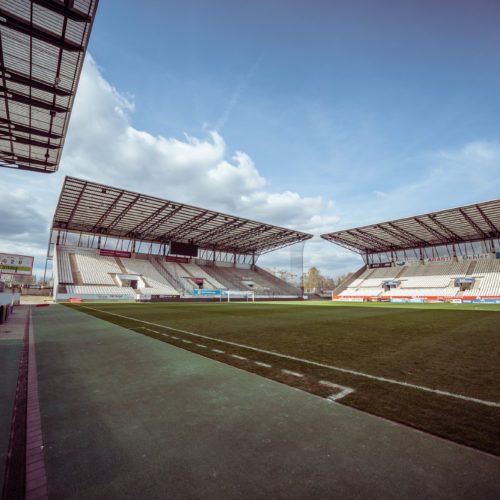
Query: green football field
[(431, 366)]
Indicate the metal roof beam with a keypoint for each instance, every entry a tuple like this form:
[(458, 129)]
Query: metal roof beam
[(144, 223), (80, 196), (397, 235), (11, 75), (234, 238), (26, 140), (165, 218), (344, 243), (372, 244), (31, 101), (213, 234), (486, 219), (376, 240), (64, 10), (23, 26), (120, 216), (472, 223), (27, 130), (446, 229), (409, 235), (14, 158), (184, 228), (103, 217), (442, 239)]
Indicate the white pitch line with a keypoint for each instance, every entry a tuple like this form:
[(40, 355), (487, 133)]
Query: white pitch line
[(202, 345), (344, 391), (295, 374), (186, 341), (219, 351), (238, 357), (313, 363), (265, 365), (340, 395), (176, 338)]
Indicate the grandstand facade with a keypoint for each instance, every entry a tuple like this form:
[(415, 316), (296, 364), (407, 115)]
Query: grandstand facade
[(452, 255), (111, 244)]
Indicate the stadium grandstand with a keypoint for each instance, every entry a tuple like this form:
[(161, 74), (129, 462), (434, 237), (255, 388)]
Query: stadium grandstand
[(111, 244), (451, 255), (42, 47)]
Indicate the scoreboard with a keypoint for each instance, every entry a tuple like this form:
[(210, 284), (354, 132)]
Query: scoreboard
[(16, 264)]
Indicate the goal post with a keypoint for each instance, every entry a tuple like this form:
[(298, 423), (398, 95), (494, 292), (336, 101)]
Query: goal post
[(248, 295)]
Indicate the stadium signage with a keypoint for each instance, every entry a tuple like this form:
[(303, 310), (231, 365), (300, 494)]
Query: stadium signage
[(477, 256), (376, 265), (198, 291), (179, 260), (115, 253), (447, 258), (16, 264)]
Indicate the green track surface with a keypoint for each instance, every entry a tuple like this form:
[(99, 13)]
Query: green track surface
[(448, 347), (10, 352), (126, 416)]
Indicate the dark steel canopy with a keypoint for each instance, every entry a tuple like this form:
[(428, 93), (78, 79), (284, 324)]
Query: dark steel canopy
[(477, 222), (92, 208), (42, 47)]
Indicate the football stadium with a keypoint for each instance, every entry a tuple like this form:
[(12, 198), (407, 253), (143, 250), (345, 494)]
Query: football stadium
[(161, 359)]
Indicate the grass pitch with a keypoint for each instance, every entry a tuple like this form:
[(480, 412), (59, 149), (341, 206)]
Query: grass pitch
[(449, 348)]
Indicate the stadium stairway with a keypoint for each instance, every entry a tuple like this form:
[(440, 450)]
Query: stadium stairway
[(77, 276), (126, 416), (120, 265), (347, 281), (471, 268)]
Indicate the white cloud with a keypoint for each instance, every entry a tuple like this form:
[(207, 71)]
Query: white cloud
[(441, 179), (102, 145)]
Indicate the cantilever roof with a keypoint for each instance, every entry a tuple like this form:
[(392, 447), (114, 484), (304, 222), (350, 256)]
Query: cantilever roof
[(477, 222), (42, 47), (93, 208)]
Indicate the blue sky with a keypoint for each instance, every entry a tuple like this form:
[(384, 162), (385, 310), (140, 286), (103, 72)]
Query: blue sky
[(351, 112), (331, 98)]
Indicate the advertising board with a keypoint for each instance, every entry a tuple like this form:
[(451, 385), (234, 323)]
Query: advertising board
[(115, 253), (16, 264), (198, 291)]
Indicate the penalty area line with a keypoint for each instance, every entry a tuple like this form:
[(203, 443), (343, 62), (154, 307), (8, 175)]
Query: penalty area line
[(309, 362)]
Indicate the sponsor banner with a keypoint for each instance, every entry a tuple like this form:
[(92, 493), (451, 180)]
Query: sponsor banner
[(459, 281), (486, 301), (16, 264), (391, 283), (439, 259), (115, 253), (380, 264), (413, 300), (476, 256), (200, 291), (179, 260)]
